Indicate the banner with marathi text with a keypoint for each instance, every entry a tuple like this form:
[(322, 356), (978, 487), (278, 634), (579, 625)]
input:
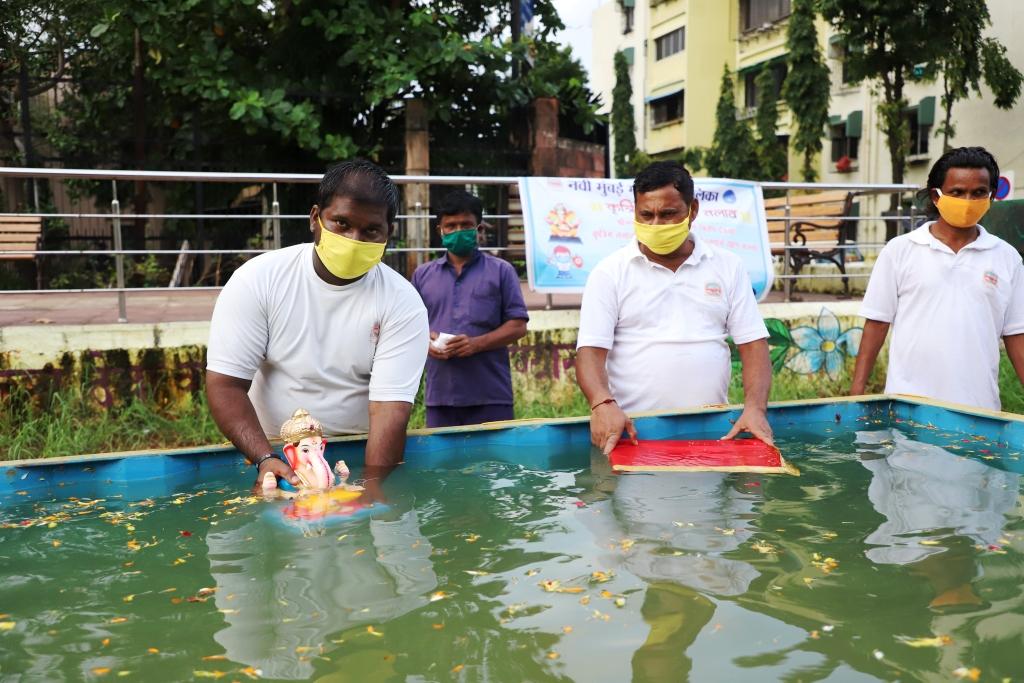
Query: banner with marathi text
[(571, 224)]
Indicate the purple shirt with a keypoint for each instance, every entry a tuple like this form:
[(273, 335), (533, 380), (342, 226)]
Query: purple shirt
[(483, 297)]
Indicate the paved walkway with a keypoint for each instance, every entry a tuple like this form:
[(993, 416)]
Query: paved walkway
[(165, 305)]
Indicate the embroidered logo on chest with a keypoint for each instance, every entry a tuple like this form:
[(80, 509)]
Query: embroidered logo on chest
[(713, 289), (990, 278)]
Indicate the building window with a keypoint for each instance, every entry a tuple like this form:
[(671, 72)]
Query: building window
[(756, 13), (670, 43), (667, 109), (627, 20), (750, 89), (919, 133), (750, 98), (842, 144)]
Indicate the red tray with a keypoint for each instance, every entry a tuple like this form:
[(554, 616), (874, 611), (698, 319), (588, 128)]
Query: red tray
[(735, 455)]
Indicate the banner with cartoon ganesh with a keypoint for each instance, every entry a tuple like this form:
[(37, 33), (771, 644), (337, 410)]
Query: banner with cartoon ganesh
[(571, 224)]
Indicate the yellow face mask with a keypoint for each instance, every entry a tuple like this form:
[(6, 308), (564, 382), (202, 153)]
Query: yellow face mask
[(345, 257), (961, 213), (662, 239)]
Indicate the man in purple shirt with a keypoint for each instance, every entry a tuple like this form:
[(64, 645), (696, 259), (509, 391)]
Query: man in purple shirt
[(476, 298)]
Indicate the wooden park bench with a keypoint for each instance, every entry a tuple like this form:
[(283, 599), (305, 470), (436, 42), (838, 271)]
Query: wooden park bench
[(813, 234), (21, 233)]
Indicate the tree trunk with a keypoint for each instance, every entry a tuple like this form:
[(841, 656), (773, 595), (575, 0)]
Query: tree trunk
[(138, 240), (947, 103), (893, 125)]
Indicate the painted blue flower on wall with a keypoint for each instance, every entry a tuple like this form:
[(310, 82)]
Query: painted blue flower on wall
[(825, 346)]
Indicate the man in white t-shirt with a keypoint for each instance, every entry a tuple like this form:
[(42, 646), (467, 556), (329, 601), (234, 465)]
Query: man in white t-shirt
[(656, 314), (950, 290), (323, 326)]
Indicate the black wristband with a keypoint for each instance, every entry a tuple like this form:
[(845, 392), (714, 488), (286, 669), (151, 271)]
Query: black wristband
[(262, 459)]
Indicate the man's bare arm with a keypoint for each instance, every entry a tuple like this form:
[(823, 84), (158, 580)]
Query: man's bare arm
[(236, 418), (500, 337), (385, 444), (757, 384), (234, 414), (871, 342), (1015, 351), (607, 420)]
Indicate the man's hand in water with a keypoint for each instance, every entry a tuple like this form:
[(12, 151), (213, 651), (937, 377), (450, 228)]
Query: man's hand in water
[(373, 477), (276, 467)]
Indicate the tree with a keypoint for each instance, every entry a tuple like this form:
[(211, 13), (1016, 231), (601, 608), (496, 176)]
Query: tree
[(971, 58), (285, 85), (806, 89), (623, 124), (771, 155), (884, 40), (732, 153)]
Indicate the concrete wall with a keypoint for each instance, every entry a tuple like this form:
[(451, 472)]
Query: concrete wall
[(167, 361)]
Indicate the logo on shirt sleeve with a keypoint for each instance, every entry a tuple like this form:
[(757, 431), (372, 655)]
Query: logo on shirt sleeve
[(713, 289), (990, 278)]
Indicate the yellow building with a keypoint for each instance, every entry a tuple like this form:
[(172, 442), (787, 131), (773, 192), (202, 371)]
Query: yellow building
[(677, 70)]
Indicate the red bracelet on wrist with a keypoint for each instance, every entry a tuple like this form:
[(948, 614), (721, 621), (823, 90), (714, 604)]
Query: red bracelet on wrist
[(601, 403)]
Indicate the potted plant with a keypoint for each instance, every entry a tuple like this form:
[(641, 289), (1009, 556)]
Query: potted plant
[(844, 164)]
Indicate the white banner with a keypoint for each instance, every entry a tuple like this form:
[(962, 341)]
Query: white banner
[(570, 224)]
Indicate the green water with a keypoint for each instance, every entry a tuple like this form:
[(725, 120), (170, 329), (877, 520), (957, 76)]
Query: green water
[(699, 577)]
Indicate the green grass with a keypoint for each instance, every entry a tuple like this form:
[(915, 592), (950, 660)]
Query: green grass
[(69, 424)]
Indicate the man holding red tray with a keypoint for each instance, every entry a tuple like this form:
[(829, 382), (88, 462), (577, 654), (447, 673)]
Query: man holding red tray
[(656, 315)]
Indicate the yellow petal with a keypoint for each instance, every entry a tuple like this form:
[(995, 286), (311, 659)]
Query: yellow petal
[(373, 632), (567, 629), (553, 655), (7, 625), (457, 668), (972, 674), (937, 641), (439, 595), (100, 670)]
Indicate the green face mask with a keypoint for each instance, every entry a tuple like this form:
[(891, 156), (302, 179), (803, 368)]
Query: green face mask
[(460, 242)]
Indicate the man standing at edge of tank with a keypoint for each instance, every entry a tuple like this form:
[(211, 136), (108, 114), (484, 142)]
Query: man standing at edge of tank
[(323, 326), (656, 315)]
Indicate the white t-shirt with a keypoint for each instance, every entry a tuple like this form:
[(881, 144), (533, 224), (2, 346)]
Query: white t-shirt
[(948, 312), (665, 331), (307, 344), (927, 493)]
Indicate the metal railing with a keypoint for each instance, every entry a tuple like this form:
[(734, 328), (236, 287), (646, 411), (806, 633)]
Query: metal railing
[(412, 214)]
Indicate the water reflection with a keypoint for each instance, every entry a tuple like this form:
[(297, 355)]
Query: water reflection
[(680, 527), (937, 507), (285, 594)]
